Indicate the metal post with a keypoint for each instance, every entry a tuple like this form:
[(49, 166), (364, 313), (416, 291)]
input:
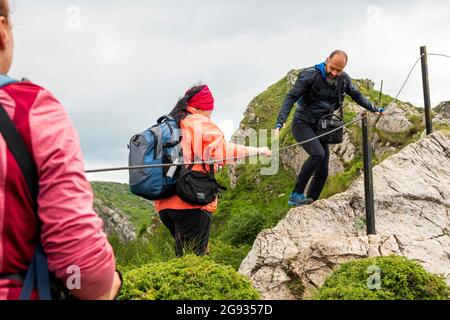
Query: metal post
[(381, 92), (426, 90), (368, 177)]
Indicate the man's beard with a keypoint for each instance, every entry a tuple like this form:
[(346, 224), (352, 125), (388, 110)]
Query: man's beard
[(332, 81)]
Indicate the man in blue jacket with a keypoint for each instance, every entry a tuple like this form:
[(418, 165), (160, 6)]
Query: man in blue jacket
[(319, 91)]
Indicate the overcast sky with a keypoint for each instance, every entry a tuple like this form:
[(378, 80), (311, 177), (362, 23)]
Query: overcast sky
[(118, 65)]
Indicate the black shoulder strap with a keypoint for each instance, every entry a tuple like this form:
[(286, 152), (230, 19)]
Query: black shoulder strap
[(37, 275), (20, 151), (340, 96), (308, 95)]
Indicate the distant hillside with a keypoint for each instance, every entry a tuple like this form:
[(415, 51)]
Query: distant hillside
[(124, 214)]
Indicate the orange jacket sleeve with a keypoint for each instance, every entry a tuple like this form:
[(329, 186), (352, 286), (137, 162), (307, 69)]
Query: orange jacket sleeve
[(217, 148)]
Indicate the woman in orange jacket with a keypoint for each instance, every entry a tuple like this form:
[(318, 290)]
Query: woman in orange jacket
[(202, 141)]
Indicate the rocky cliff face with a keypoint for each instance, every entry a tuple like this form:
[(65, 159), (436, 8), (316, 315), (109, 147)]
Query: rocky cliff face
[(412, 204), (397, 118), (125, 215), (442, 116), (116, 222)]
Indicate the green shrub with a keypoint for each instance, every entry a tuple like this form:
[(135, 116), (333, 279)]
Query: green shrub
[(244, 226), (143, 230), (398, 279), (262, 205), (156, 247), (227, 254), (342, 181), (187, 278)]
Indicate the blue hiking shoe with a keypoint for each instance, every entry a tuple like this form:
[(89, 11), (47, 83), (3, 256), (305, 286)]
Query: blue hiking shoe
[(297, 199)]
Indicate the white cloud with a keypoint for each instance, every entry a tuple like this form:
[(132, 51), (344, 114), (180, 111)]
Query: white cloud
[(227, 126), (114, 176)]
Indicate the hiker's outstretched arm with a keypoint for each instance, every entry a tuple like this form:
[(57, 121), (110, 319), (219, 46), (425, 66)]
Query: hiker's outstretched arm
[(358, 97), (72, 233), (218, 148), (238, 151)]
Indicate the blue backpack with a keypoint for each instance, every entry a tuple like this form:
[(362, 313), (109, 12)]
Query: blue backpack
[(158, 145)]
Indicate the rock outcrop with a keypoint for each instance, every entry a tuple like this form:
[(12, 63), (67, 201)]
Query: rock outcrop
[(116, 221), (295, 157), (412, 204), (442, 115), (345, 152), (443, 109), (395, 120)]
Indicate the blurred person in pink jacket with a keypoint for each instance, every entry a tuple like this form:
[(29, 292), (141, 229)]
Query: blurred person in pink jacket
[(63, 223)]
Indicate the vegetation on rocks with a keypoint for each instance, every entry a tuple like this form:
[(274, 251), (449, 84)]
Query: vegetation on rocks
[(383, 278), (187, 278)]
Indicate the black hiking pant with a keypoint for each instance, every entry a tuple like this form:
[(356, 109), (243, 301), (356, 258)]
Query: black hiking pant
[(317, 164), (189, 228)]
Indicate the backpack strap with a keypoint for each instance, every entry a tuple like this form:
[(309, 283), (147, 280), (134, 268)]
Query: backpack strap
[(308, 95), (38, 276), (20, 152), (339, 92), (340, 96), (38, 273)]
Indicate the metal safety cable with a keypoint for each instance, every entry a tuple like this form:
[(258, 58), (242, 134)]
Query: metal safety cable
[(235, 159)]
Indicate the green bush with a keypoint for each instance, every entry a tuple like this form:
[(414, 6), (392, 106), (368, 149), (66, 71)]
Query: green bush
[(227, 254), (261, 205), (342, 181), (244, 226), (187, 278), (157, 247), (398, 279)]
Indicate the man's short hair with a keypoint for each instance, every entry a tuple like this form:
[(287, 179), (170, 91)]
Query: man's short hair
[(340, 52)]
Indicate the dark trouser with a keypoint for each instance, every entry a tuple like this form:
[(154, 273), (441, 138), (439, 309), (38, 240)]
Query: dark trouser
[(317, 164), (190, 229)]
